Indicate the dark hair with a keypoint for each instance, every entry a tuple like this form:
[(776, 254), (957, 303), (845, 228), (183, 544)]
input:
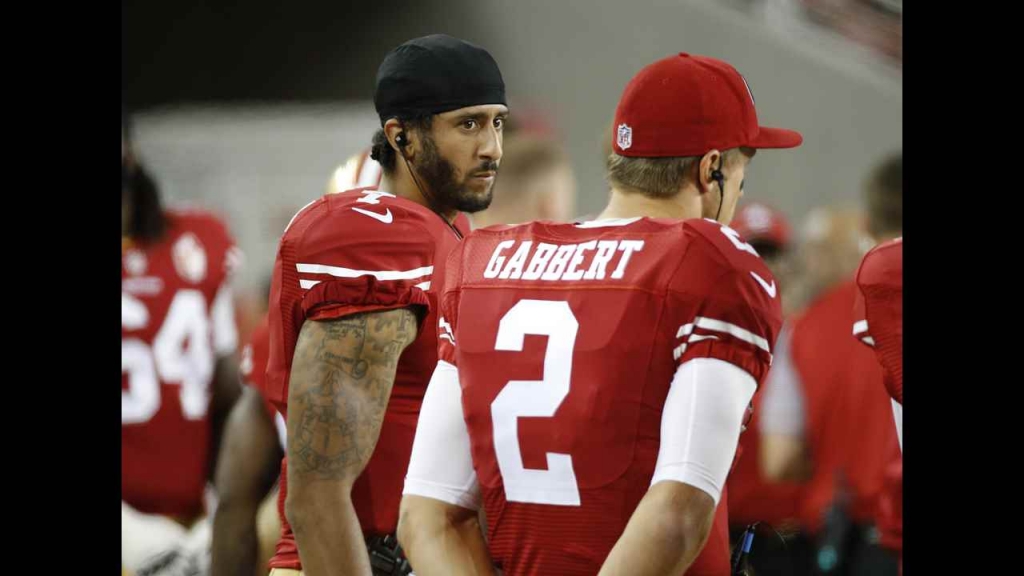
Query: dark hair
[(884, 194), (767, 249), (381, 150), (147, 221)]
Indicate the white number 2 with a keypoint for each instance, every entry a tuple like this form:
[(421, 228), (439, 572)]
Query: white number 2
[(187, 323), (535, 398)]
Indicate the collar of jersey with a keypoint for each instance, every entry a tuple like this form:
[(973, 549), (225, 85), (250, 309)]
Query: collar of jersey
[(601, 223)]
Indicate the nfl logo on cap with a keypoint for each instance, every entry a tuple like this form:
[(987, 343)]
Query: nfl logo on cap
[(625, 136)]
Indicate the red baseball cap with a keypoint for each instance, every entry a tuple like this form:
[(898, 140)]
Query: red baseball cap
[(757, 222), (686, 105)]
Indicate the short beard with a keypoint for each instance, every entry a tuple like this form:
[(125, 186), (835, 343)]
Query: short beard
[(440, 177)]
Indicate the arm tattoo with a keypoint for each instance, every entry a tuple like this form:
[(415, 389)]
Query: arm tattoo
[(341, 380)]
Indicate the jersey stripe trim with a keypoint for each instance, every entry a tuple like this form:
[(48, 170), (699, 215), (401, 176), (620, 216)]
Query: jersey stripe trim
[(607, 222), (339, 272), (724, 327), (860, 326), (684, 330), (678, 352), (732, 330)]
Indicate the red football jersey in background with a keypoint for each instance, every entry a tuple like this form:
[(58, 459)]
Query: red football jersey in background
[(254, 370), (879, 310), (176, 320), (878, 323), (848, 416)]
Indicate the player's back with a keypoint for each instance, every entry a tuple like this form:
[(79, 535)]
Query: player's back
[(175, 321), (566, 339)]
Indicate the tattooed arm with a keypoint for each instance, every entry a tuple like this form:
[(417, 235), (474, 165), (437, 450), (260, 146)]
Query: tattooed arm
[(341, 379)]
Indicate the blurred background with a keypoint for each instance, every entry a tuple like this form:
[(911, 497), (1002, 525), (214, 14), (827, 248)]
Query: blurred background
[(248, 108), (252, 109)]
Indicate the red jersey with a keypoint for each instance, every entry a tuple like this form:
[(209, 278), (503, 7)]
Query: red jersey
[(176, 319), (879, 310), (890, 505), (253, 369), (848, 417), (566, 338), (360, 251)]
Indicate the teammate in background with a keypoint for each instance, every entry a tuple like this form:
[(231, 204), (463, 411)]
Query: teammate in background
[(878, 317), (752, 497), (879, 306), (537, 183), (825, 420), (178, 370)]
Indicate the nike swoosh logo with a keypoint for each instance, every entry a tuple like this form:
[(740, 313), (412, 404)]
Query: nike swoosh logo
[(386, 217), (769, 288)]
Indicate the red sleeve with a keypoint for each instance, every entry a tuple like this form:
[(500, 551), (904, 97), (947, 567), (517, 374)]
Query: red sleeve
[(253, 367), (350, 262), (448, 317), (878, 311), (359, 251), (725, 303)]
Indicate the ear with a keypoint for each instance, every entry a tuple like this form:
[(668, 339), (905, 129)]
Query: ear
[(708, 164), (392, 128)]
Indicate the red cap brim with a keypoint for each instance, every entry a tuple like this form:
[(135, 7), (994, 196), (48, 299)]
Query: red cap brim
[(776, 138)]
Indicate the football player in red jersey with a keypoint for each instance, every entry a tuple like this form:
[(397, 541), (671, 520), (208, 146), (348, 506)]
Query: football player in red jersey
[(879, 310), (878, 314), (825, 420), (795, 399), (178, 377), (879, 306), (594, 378), (353, 283)]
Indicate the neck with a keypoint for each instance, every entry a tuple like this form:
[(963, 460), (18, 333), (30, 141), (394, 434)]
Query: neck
[(684, 205), (490, 217)]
